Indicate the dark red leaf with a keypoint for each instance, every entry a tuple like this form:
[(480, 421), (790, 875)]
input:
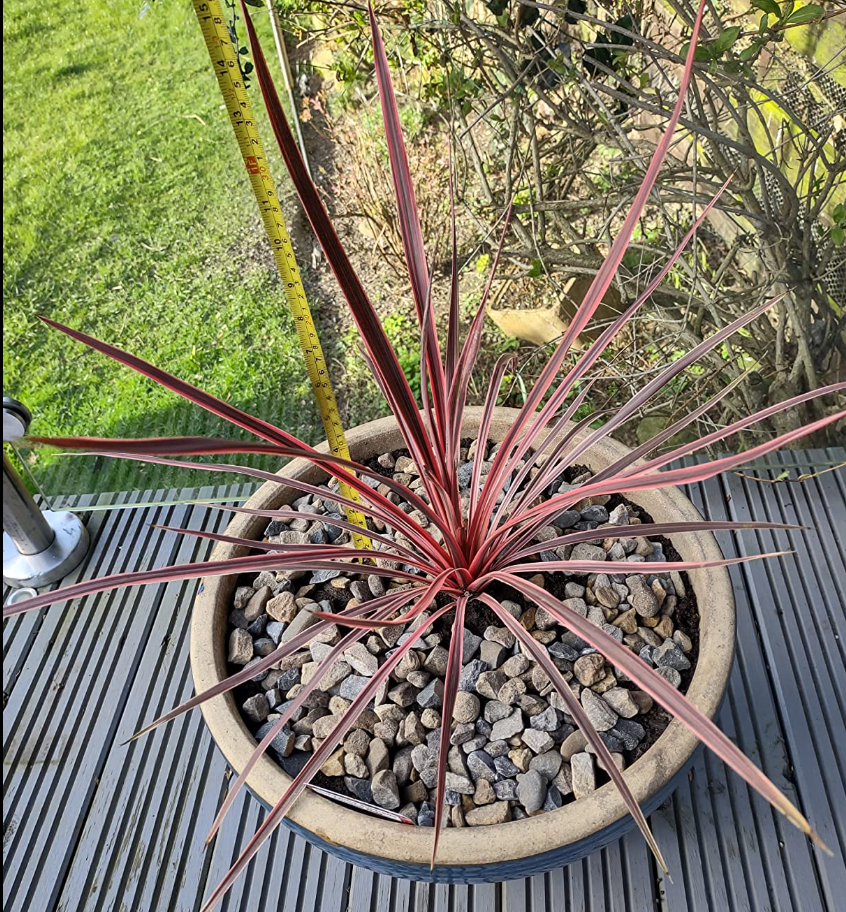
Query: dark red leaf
[(373, 335)]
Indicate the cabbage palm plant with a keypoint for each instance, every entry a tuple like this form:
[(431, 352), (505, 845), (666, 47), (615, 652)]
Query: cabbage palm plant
[(485, 543)]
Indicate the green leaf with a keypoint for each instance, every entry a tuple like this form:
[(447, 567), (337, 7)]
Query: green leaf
[(559, 65), (839, 213), (703, 51), (749, 52), (806, 13), (768, 6), (536, 271), (726, 39), (838, 233)]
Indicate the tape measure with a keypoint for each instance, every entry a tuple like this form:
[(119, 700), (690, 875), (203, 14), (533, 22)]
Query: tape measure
[(225, 62)]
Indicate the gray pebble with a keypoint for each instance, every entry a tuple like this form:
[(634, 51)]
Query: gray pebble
[(547, 764), (470, 674), (508, 727), (483, 727), (668, 655), (426, 815), (361, 660), (482, 766), (353, 685), (531, 790), (462, 733), (584, 774), (628, 733), (595, 513), (567, 519), (547, 721), (600, 714), (670, 675), (537, 741), (274, 630), (505, 768), (492, 654), (431, 697), (497, 748), (460, 784), (470, 645), (376, 585), (255, 708), (553, 799), (323, 576), (402, 765), (385, 790), (563, 651), (474, 744), (360, 788), (283, 743), (587, 552), (496, 711), (506, 789)]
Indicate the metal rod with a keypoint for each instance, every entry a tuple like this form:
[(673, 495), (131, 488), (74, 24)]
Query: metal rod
[(287, 76), (46, 502), (23, 522)]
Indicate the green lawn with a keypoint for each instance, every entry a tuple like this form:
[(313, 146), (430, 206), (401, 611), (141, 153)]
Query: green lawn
[(128, 215)]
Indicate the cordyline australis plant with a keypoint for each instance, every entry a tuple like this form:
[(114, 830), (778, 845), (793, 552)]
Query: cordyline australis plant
[(491, 541)]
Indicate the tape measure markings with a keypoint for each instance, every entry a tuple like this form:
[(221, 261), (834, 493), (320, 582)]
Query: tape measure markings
[(225, 63)]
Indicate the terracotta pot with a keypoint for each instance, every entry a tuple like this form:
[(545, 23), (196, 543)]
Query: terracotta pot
[(492, 853)]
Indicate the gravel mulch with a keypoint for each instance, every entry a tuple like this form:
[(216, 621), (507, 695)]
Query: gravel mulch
[(514, 749)]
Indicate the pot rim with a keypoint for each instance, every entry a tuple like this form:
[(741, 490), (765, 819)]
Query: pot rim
[(485, 845)]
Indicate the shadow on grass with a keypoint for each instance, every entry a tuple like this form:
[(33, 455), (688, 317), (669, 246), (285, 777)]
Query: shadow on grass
[(72, 69)]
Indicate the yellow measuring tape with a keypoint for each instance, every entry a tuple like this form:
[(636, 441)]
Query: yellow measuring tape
[(225, 62)]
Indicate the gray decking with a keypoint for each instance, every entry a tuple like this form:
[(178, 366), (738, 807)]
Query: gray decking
[(91, 825)]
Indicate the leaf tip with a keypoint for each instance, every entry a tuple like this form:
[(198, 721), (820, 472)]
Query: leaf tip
[(136, 736), (819, 842)]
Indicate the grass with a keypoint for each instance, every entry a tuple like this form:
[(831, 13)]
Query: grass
[(128, 215)]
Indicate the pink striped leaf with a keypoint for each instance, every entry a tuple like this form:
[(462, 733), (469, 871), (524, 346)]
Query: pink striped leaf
[(541, 656), (664, 693)]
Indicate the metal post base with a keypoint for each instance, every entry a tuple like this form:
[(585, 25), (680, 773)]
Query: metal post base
[(69, 547)]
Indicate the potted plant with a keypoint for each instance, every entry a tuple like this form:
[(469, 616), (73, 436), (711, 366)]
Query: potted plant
[(495, 659)]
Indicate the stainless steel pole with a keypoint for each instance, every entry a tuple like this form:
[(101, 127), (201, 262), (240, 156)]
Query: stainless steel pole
[(23, 522), (38, 547)]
